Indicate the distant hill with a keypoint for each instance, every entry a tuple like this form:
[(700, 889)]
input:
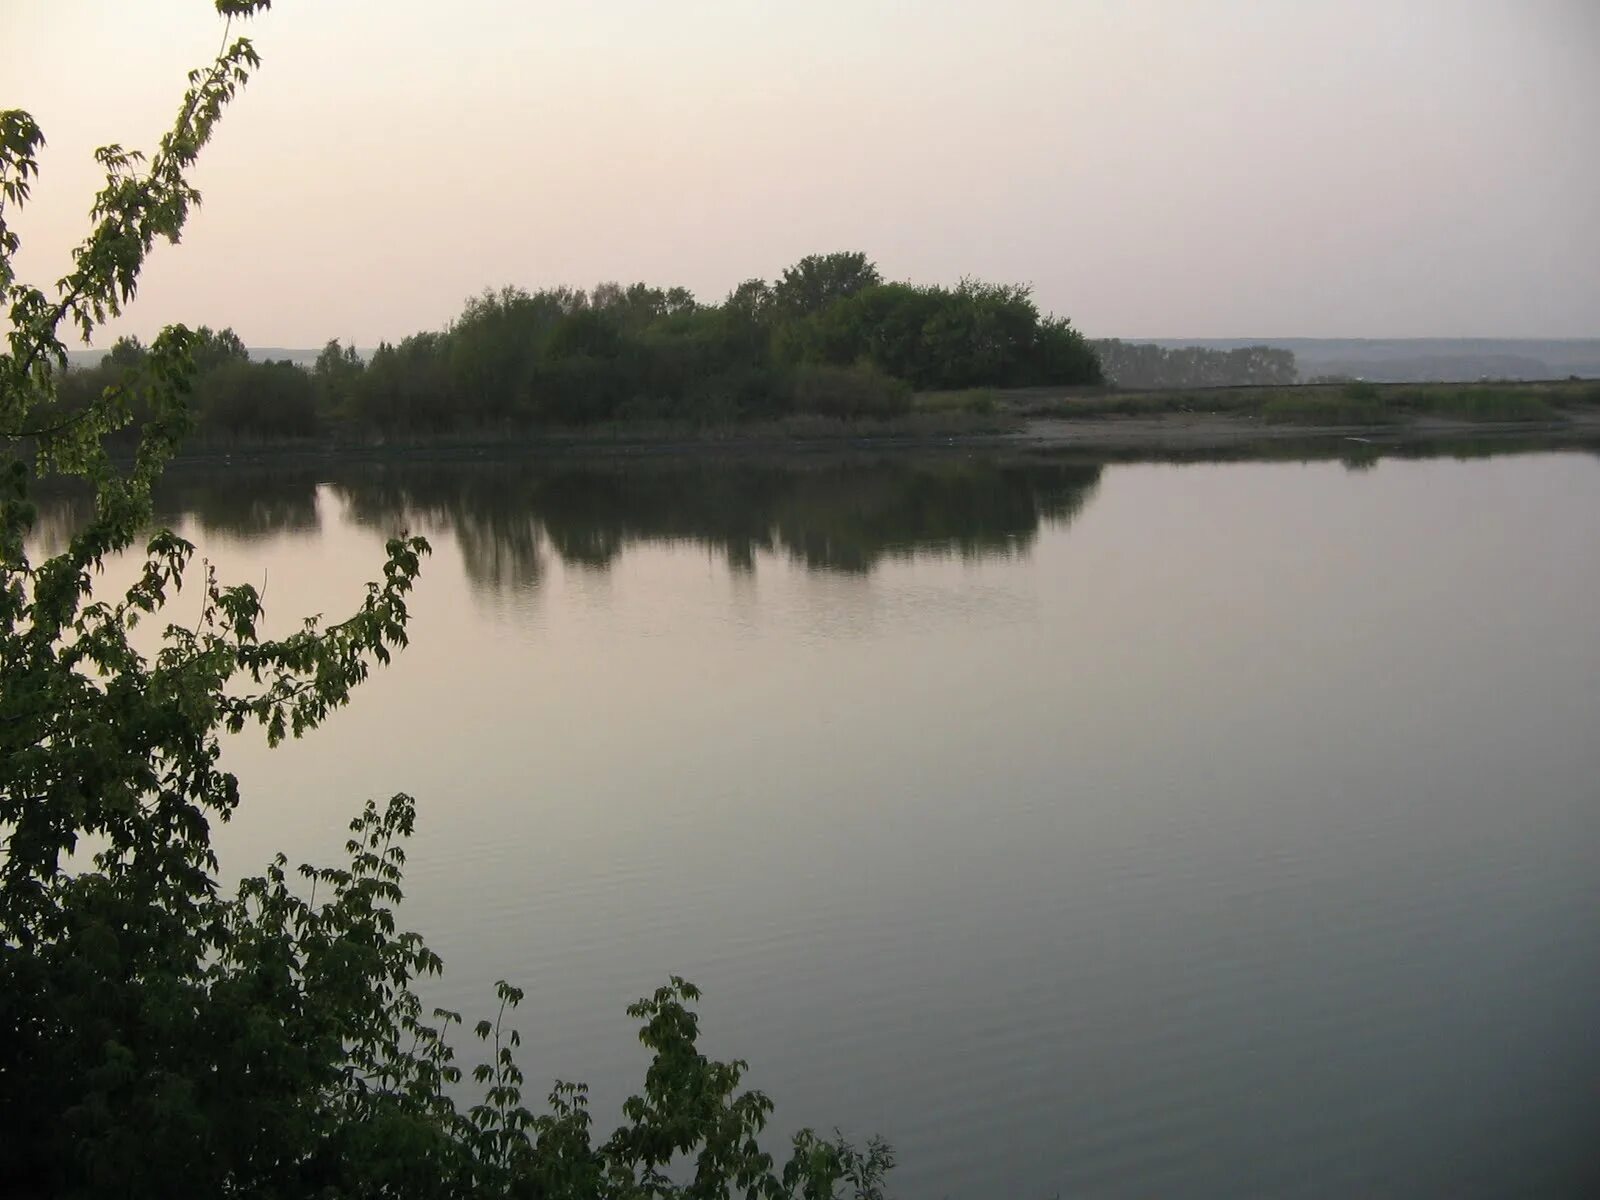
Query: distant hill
[(1417, 360)]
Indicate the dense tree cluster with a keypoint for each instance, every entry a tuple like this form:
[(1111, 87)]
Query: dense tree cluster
[(972, 335), (1139, 365), (230, 395), (828, 336)]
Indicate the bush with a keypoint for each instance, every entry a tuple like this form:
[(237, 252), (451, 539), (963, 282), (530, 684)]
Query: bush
[(979, 401), (858, 391)]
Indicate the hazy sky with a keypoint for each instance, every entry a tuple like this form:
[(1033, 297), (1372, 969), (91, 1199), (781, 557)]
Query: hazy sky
[(1153, 167)]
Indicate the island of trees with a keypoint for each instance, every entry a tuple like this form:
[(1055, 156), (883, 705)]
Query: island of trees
[(829, 336)]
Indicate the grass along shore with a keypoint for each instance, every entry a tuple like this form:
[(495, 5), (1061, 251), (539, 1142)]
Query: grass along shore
[(1100, 418), (1333, 405)]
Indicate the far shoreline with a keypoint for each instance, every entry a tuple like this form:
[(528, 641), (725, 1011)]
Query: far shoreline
[(1155, 437)]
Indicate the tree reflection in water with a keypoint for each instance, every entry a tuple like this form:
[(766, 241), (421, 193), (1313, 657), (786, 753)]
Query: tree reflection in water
[(831, 517), (508, 517)]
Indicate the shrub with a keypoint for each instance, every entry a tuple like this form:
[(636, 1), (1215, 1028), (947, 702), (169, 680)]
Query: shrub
[(857, 391), (979, 401)]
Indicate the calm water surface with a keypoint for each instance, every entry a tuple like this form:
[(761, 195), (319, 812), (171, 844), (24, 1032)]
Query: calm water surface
[(1202, 830)]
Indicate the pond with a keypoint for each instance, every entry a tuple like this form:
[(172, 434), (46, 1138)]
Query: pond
[(1123, 829)]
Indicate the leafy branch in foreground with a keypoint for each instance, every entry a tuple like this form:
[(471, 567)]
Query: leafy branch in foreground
[(156, 1034)]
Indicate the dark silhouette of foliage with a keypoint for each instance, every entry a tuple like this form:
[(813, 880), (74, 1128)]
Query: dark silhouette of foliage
[(242, 399), (233, 398), (158, 1036), (827, 338), (217, 348), (818, 281), (932, 337), (336, 377), (850, 391)]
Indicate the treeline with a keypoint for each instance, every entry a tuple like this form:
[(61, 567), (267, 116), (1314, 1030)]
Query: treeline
[(829, 336), (1138, 365), (231, 395)]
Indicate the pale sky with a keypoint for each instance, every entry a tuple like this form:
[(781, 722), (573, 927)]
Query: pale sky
[(1206, 168)]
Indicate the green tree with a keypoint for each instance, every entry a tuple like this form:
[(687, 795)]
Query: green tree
[(216, 348), (818, 280), (753, 298), (493, 351), (125, 352), (935, 337), (408, 389), (336, 375), (240, 398), (158, 1036)]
